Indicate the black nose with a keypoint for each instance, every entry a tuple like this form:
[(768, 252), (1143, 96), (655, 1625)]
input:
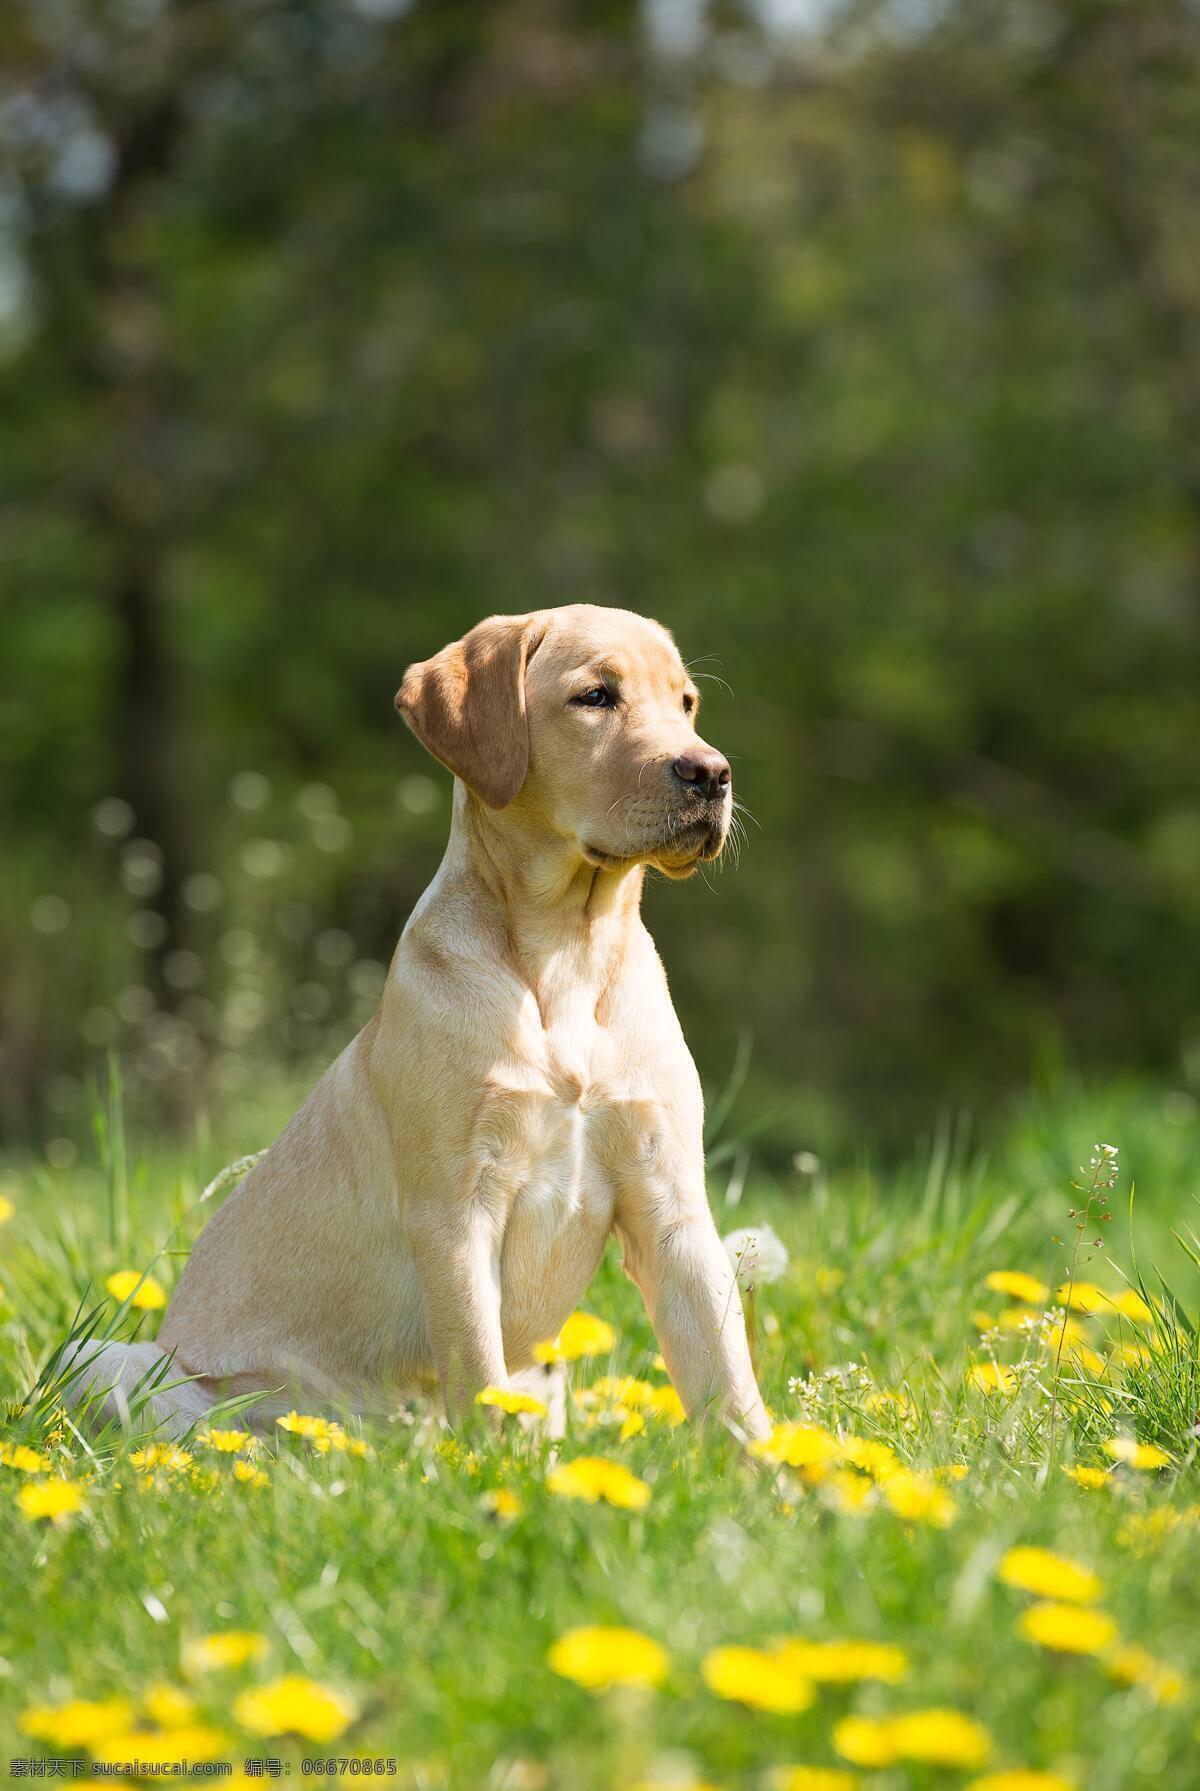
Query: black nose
[(704, 771)]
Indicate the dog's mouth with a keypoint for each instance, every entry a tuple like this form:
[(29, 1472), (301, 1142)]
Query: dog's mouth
[(688, 844)]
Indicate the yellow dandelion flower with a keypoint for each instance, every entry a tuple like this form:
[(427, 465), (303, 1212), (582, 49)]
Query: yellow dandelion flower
[(940, 1738), (797, 1446), (168, 1706), (149, 1296), (1130, 1304), (7, 1209), (865, 1740), (1017, 1286), (79, 1722), (1021, 1778), (295, 1705), (991, 1377), (665, 1403), (23, 1458), (323, 1433), (937, 1737), (883, 1399), (58, 1418), (594, 1413), (582, 1335), (1085, 1408), (1085, 1296), (227, 1442), (597, 1658), (982, 1319), (1143, 1456), (1048, 1575), (56, 1499), (844, 1490), (249, 1475), (303, 1424), (843, 1662), (813, 1778), (1143, 1531), (160, 1455), (1067, 1629), (1082, 1355), (619, 1389), (920, 1499), (1132, 1355), (873, 1458), (1091, 1479), (592, 1477), (952, 1470), (193, 1741), (503, 1399), (757, 1679), (1131, 1665), (226, 1649), (614, 1400), (1063, 1335), (300, 1424), (503, 1503)]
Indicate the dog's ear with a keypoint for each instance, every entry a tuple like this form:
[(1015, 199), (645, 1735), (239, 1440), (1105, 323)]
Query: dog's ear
[(466, 705)]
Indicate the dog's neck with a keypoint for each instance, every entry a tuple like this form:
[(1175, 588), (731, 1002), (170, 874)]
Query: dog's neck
[(564, 920)]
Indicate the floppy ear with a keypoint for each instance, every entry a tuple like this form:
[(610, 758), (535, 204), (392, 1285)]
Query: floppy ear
[(466, 705)]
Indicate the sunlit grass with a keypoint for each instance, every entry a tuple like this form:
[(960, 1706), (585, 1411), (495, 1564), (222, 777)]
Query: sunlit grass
[(922, 1579)]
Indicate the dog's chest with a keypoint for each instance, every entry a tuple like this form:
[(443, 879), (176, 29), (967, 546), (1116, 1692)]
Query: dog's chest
[(546, 1146), (541, 1149), (559, 1216), (549, 1110)]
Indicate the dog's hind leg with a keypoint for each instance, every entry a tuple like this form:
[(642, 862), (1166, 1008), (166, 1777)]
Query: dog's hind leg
[(108, 1378)]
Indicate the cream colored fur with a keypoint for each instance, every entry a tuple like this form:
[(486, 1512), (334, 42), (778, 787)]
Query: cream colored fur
[(441, 1201)]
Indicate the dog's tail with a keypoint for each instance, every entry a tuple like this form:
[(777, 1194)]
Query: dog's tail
[(131, 1383)]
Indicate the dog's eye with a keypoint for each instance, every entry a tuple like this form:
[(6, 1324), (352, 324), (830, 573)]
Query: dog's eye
[(598, 697), (689, 702)]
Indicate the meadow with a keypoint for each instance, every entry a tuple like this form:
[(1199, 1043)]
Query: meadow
[(968, 1556), (856, 342)]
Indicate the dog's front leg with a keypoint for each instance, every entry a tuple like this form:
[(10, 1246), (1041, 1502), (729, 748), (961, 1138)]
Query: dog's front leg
[(673, 1252), (457, 1257)]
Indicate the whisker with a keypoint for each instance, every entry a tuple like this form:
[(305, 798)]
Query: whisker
[(739, 808), (736, 837), (715, 678)]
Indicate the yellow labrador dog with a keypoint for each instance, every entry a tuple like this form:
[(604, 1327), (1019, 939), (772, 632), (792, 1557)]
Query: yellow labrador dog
[(442, 1199)]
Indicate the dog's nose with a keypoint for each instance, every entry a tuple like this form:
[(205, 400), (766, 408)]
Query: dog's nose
[(704, 771)]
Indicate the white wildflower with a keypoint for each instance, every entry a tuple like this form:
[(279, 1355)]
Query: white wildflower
[(758, 1255)]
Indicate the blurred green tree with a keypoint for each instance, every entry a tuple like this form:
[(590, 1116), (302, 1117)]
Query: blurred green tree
[(861, 349)]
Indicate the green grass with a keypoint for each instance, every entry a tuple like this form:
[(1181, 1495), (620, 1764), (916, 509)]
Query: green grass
[(387, 1578)]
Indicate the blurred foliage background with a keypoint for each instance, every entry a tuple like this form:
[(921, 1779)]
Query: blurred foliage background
[(858, 342)]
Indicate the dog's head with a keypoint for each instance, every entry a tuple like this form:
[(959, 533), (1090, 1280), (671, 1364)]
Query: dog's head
[(584, 719)]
